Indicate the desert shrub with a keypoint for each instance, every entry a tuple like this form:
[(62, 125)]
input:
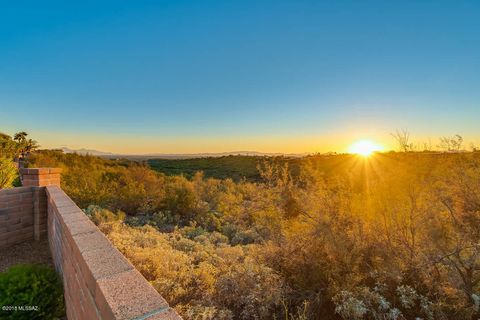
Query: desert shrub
[(180, 199), (100, 215), (104, 218), (198, 312), (34, 286), (199, 273), (8, 173), (249, 289), (160, 220)]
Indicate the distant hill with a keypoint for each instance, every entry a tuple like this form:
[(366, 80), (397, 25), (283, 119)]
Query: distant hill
[(198, 155), (84, 151)]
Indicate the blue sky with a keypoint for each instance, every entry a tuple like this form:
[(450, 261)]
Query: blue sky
[(207, 76)]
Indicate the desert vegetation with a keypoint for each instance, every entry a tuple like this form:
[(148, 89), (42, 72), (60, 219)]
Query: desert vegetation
[(13, 149), (392, 236), (236, 167)]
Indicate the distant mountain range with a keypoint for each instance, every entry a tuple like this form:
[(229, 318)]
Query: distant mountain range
[(86, 151), (92, 152)]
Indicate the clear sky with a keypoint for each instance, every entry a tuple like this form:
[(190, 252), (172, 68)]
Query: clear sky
[(209, 76)]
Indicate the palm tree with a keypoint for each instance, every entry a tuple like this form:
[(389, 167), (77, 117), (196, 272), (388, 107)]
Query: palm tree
[(24, 145), (20, 136), (18, 147)]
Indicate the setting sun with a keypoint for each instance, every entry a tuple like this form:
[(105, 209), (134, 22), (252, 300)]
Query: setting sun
[(365, 147)]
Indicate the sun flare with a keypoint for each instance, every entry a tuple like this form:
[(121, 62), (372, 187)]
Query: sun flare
[(365, 148)]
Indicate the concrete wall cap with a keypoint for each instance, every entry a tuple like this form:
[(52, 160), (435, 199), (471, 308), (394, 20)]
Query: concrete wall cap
[(128, 296)]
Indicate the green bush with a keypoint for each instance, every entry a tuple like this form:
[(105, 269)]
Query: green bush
[(31, 286)]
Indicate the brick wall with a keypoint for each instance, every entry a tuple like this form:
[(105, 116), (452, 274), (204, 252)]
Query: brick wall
[(99, 282), (23, 215), (23, 211)]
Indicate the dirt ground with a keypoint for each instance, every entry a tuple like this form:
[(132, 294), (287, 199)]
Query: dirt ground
[(26, 252)]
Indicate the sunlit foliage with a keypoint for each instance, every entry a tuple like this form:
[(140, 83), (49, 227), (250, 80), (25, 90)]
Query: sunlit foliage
[(8, 173), (13, 149), (394, 236)]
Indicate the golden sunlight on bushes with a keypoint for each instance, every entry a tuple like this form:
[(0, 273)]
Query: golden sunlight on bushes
[(336, 237), (203, 280)]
